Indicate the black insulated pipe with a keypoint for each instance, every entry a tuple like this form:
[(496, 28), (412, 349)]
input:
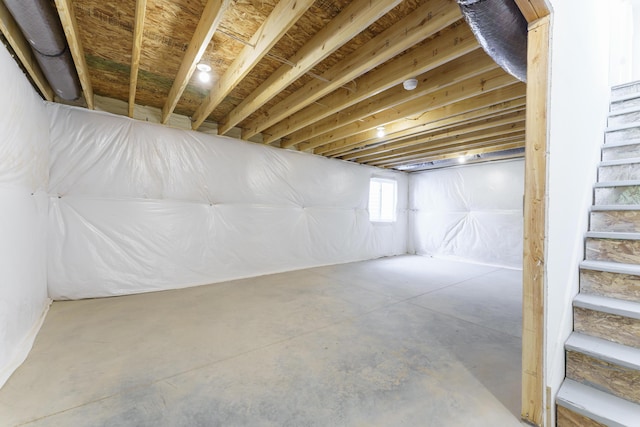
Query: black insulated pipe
[(40, 25), (501, 30)]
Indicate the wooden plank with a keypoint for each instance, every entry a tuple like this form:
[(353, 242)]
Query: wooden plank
[(70, 26), (534, 224), (464, 89), (446, 75), (281, 19), (487, 104), (356, 16), (447, 46), (138, 27), (207, 26), (22, 48), (421, 138), (431, 17), (532, 10)]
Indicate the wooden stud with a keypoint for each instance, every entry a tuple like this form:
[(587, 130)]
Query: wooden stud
[(138, 27), (281, 19), (70, 26), (207, 26), (22, 48), (431, 17), (534, 223), (532, 10), (447, 46), (358, 15)]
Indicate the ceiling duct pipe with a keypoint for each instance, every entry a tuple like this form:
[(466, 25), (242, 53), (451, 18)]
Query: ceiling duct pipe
[(40, 25), (501, 30)]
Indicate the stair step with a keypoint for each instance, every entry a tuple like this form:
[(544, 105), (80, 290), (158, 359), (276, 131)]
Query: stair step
[(618, 219), (610, 279), (617, 192), (624, 132), (625, 89), (626, 115), (607, 366), (596, 405), (624, 101), (612, 246), (627, 169), (611, 319), (620, 150)]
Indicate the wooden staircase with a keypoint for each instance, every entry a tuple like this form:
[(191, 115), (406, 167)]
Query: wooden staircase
[(602, 384)]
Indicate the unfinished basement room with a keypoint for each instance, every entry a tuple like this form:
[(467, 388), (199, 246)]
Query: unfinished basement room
[(319, 213)]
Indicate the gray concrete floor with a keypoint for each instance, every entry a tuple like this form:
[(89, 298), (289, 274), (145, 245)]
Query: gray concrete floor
[(403, 341)]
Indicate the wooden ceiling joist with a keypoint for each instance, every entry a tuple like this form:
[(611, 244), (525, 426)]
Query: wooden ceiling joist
[(70, 26), (281, 19), (447, 46), (480, 126), (490, 103), (359, 14), (207, 26), (468, 88), (430, 18), (138, 27), (22, 48), (446, 75), (533, 10)]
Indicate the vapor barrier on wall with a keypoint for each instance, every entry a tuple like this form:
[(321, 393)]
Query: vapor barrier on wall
[(138, 207), (24, 139), (472, 213)]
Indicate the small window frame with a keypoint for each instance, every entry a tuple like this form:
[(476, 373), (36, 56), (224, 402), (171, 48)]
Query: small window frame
[(383, 213)]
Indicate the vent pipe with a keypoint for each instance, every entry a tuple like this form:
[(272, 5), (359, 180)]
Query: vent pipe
[(502, 32), (40, 25)]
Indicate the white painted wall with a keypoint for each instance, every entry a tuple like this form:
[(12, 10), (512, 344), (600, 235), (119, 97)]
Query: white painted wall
[(470, 213), (24, 135), (577, 112)]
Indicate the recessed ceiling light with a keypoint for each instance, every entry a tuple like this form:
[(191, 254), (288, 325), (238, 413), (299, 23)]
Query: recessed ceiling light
[(410, 84), (380, 131)]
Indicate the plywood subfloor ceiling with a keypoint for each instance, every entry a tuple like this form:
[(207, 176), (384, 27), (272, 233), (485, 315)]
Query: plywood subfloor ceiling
[(317, 76)]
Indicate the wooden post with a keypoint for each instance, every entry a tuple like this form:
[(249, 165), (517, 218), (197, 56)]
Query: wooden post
[(534, 223)]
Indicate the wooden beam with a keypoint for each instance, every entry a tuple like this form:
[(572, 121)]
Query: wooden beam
[(138, 27), (533, 270), (429, 144), (490, 103), (445, 75), (468, 88), (70, 26), (421, 138), (22, 48), (357, 15), (431, 17), (447, 46), (281, 19), (207, 26), (532, 10)]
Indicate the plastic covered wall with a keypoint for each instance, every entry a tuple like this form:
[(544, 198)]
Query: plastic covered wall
[(24, 135), (139, 207), (471, 213)]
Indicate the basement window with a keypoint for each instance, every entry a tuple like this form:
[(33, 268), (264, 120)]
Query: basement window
[(382, 200)]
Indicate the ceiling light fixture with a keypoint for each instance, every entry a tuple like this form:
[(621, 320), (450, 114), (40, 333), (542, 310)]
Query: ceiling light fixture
[(410, 84), (380, 131), (204, 72), (462, 159)]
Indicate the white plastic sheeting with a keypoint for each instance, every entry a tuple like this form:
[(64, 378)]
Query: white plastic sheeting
[(24, 135), (472, 213), (139, 207)]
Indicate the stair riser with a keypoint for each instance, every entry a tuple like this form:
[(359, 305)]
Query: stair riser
[(626, 89), (626, 172), (622, 105), (611, 378), (620, 221), (616, 250), (622, 152), (631, 134), (622, 119), (613, 285), (627, 195), (611, 327), (567, 418)]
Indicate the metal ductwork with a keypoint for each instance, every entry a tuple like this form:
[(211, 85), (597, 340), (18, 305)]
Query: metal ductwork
[(501, 30), (40, 25)]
